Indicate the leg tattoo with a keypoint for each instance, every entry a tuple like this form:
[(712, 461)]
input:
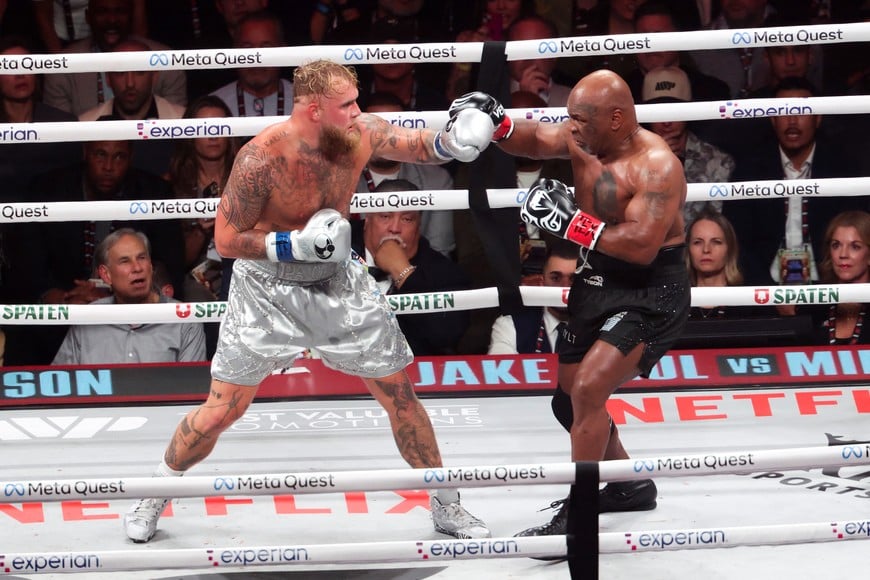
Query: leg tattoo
[(198, 432), (412, 429)]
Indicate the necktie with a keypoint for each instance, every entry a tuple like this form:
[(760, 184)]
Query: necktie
[(560, 334)]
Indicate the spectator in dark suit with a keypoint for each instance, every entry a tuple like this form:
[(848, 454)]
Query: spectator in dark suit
[(536, 329), (402, 262), (783, 235)]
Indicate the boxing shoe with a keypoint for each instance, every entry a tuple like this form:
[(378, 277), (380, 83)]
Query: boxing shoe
[(620, 496), (140, 522), (454, 520), (628, 496)]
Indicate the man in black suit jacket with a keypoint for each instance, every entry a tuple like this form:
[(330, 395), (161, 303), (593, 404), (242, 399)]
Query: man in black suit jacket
[(53, 261), (403, 262), (796, 151)]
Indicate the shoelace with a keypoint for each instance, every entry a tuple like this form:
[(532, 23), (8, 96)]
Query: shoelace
[(148, 508), (555, 505)]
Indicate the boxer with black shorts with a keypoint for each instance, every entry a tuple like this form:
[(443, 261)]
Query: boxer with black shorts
[(630, 297), (296, 284)]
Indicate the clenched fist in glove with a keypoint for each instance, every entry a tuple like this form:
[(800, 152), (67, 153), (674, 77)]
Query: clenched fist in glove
[(465, 136), (550, 206), (503, 126), (325, 238)]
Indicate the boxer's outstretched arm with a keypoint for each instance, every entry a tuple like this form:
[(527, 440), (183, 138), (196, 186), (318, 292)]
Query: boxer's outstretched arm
[(538, 140)]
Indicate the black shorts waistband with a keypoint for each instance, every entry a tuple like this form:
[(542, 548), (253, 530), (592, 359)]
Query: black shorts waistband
[(607, 271)]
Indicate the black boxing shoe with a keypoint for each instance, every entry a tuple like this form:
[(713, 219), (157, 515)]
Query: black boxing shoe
[(555, 527), (627, 496)]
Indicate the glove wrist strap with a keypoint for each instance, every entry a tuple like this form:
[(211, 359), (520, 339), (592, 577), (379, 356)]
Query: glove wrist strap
[(504, 130), (279, 247), (584, 229), (440, 152)]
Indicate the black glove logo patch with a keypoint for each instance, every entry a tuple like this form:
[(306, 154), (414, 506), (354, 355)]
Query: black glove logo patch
[(542, 210), (324, 247)]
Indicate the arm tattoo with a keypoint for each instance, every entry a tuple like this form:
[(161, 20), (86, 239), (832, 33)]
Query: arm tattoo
[(656, 204), (247, 189), (388, 140), (656, 196)]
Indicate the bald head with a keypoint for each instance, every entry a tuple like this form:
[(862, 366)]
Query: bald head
[(604, 87), (601, 102)]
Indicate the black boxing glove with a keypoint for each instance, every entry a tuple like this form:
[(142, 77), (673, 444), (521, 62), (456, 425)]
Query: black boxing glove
[(503, 124), (550, 206)]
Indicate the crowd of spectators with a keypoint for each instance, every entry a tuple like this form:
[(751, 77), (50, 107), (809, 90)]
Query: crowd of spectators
[(54, 262)]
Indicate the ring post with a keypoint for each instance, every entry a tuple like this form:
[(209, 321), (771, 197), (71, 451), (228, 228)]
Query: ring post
[(582, 533)]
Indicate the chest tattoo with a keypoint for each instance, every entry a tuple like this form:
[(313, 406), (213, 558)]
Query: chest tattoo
[(605, 200)]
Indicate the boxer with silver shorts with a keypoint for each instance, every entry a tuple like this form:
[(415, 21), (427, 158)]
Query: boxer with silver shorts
[(295, 284)]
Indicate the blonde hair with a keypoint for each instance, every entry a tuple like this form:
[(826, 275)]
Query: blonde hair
[(322, 78), (858, 219), (733, 275)]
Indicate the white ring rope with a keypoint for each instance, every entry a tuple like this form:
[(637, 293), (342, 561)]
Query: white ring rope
[(441, 52), (410, 551), (246, 126), (428, 200), (705, 297), (694, 464)]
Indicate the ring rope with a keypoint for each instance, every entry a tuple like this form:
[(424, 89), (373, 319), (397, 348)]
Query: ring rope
[(150, 129), (693, 464), (428, 200), (65, 314), (178, 312), (410, 551), (439, 52)]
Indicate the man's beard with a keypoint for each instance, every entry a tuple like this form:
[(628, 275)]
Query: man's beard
[(336, 143)]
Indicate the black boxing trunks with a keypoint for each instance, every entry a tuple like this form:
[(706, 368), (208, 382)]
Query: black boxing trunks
[(627, 304)]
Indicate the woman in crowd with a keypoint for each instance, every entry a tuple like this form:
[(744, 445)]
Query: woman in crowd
[(846, 260), (199, 169), (712, 261)]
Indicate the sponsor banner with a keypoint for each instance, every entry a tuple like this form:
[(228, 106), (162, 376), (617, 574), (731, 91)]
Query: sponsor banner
[(834, 187), (309, 378), (446, 199)]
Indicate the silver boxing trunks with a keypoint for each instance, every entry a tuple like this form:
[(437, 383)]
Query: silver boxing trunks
[(276, 310)]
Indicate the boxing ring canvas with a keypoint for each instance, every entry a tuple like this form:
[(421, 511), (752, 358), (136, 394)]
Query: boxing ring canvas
[(351, 434)]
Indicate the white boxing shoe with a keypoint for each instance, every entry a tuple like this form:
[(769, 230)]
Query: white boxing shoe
[(140, 522), (454, 520)]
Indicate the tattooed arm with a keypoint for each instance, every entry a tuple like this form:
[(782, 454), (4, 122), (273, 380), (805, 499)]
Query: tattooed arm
[(389, 141), (245, 196), (653, 217)]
